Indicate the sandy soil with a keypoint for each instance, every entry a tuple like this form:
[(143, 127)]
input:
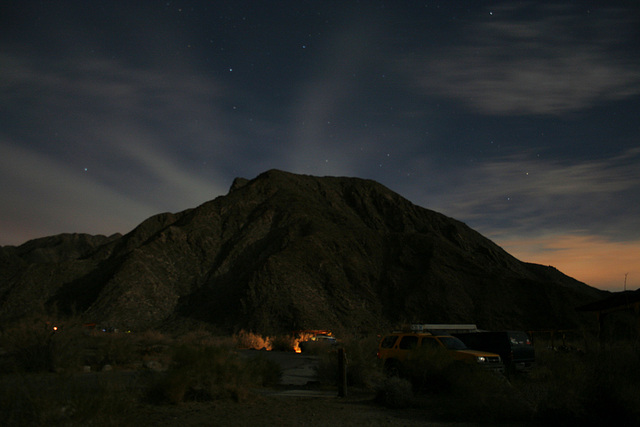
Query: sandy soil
[(288, 404), (277, 409)]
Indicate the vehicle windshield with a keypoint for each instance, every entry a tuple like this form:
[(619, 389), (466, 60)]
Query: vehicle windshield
[(452, 343), (519, 339)]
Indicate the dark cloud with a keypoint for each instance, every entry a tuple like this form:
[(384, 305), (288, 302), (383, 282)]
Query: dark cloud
[(519, 118), (531, 195), (536, 58)]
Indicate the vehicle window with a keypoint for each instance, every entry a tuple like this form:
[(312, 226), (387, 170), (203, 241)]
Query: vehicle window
[(492, 339), (452, 343), (430, 343), (519, 338), (388, 341), (408, 342)]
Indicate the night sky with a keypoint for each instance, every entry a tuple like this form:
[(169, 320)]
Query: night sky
[(519, 118)]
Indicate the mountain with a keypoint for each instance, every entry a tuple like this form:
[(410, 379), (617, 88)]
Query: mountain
[(284, 252)]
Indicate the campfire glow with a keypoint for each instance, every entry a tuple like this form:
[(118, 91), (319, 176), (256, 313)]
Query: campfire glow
[(301, 337), (308, 335), (282, 343)]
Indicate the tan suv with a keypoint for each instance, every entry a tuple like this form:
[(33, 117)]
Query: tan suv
[(395, 347)]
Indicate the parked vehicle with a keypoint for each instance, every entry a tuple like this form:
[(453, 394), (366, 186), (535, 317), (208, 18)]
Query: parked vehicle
[(514, 347), (315, 339), (396, 347)]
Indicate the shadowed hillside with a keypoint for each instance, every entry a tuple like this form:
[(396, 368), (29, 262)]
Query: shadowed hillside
[(283, 252)]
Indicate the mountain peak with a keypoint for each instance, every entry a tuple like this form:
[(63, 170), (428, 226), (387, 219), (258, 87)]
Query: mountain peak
[(285, 251)]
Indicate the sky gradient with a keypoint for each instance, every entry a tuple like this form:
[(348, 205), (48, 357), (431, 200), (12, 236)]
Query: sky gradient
[(519, 118)]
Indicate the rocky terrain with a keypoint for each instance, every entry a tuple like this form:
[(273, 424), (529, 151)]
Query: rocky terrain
[(283, 252)]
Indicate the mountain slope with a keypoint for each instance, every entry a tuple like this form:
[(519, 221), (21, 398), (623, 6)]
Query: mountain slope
[(286, 251)]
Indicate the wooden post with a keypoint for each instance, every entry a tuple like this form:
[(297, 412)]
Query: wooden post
[(342, 373)]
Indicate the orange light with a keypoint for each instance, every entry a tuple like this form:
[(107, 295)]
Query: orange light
[(307, 335)]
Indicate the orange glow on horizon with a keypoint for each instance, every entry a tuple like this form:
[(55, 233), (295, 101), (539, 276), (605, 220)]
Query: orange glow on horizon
[(593, 260)]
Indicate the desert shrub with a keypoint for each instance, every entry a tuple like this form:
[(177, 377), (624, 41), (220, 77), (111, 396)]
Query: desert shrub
[(67, 348), (327, 368), (589, 388), (459, 391), (486, 395), (201, 373), (36, 345), (204, 373), (611, 386), (394, 392), (203, 337), (151, 338), (65, 400), (244, 339), (153, 349), (430, 370), (363, 368), (554, 387), (263, 371), (283, 343), (114, 349)]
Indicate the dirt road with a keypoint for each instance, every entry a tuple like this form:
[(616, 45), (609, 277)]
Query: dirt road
[(297, 369)]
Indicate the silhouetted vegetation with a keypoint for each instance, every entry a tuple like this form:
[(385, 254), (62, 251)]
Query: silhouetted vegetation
[(205, 373), (51, 377), (566, 387), (363, 369)]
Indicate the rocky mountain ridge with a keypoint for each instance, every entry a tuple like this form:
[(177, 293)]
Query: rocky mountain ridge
[(282, 252)]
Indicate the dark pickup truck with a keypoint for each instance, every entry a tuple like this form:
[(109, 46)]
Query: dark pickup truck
[(514, 347)]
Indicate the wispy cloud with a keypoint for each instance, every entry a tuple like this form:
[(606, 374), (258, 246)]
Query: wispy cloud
[(581, 217), (318, 141), (150, 141), (531, 58), (41, 194), (526, 194)]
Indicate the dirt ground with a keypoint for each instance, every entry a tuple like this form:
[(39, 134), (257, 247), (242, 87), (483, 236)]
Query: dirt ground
[(284, 405), (275, 406), (299, 400), (283, 409)]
